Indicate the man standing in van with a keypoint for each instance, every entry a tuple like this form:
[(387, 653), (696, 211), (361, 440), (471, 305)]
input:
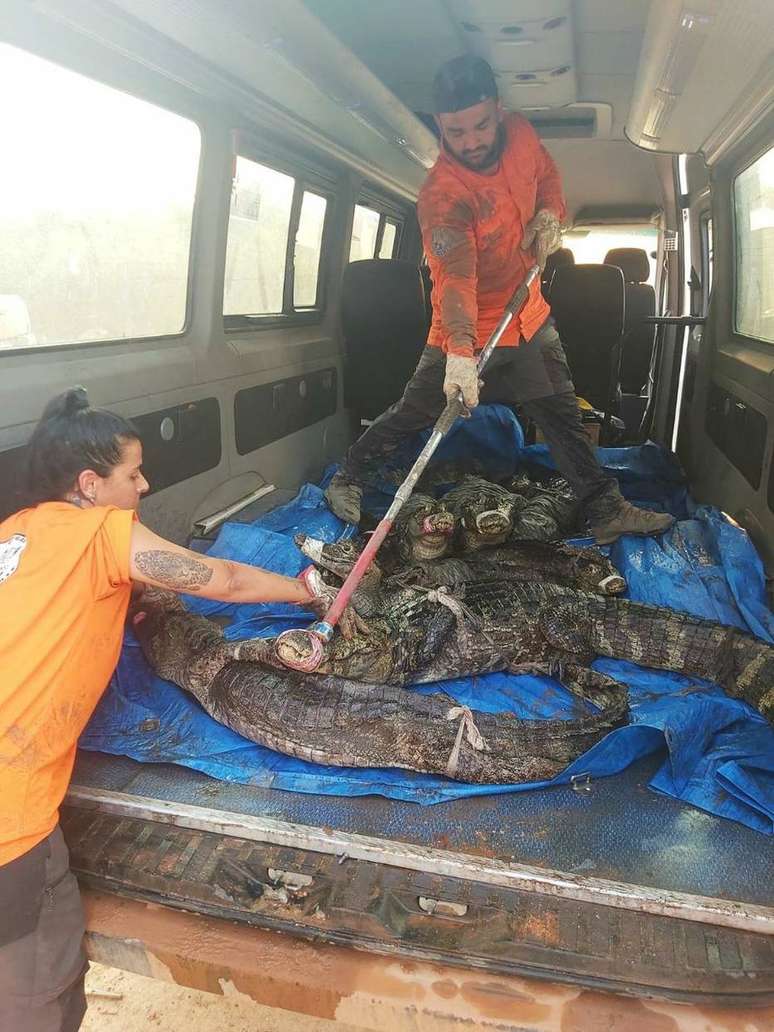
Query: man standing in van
[(491, 206)]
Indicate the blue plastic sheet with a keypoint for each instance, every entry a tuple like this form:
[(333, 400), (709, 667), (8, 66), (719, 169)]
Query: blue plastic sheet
[(719, 752)]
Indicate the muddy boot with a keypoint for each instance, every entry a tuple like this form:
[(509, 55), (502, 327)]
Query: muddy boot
[(343, 496), (611, 516)]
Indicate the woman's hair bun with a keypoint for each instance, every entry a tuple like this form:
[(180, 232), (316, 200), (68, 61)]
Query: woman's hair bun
[(75, 399)]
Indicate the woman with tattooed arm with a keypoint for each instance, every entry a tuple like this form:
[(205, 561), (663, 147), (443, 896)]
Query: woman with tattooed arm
[(67, 565)]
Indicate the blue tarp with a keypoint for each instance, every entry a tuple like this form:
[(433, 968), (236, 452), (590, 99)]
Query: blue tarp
[(720, 752)]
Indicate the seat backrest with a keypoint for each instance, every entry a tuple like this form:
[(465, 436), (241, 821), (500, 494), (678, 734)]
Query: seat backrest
[(427, 283), (587, 302), (385, 323), (638, 339), (563, 256)]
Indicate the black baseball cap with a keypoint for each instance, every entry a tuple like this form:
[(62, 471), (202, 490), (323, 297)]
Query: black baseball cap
[(461, 83)]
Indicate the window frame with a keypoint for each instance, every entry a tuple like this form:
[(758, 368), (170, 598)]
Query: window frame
[(178, 104), (305, 177), (387, 212), (739, 169)]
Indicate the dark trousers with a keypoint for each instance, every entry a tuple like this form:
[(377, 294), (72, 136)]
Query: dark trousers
[(536, 376), (42, 960)]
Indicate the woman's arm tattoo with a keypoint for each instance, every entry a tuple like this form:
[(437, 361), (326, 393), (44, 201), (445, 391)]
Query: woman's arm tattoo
[(178, 572)]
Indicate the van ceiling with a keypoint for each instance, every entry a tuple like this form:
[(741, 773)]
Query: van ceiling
[(547, 54), (348, 76)]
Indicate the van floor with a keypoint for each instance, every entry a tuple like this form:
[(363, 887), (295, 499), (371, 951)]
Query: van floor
[(614, 828)]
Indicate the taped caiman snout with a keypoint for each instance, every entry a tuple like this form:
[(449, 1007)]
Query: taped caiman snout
[(490, 520), (612, 585), (439, 523), (299, 649)]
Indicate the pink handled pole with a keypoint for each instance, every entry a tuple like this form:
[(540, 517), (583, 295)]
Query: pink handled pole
[(455, 407)]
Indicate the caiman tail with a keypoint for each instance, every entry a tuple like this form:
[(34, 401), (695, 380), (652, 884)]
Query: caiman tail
[(657, 637)]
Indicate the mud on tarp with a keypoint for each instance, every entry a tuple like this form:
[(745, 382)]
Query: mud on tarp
[(720, 752)]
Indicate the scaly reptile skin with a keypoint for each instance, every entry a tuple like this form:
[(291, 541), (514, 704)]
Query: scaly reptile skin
[(329, 718), (511, 625), (341, 722), (540, 561), (484, 512)]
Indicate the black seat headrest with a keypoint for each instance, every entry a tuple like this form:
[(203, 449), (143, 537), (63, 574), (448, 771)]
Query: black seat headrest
[(564, 256), (632, 261), (588, 300), (382, 293)]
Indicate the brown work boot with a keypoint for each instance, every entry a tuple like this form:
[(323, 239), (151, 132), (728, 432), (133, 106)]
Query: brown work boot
[(343, 496), (627, 519)]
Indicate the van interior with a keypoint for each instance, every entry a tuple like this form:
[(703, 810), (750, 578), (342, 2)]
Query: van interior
[(208, 218)]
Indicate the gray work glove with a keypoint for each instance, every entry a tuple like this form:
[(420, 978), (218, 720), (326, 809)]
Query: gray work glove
[(544, 231), (461, 375)]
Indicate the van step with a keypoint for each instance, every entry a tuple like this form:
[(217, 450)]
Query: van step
[(391, 910)]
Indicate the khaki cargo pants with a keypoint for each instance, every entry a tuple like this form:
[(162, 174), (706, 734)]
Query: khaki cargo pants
[(42, 959)]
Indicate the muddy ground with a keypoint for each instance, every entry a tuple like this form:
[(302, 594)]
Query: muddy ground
[(120, 1001)]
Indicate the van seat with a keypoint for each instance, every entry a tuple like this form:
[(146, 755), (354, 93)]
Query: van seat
[(638, 339), (563, 256), (587, 303), (385, 321)]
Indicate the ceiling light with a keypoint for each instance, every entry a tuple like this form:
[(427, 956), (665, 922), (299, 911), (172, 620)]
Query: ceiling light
[(516, 42), (695, 20), (511, 30)]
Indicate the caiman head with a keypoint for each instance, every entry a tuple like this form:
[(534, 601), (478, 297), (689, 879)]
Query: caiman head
[(367, 658), (485, 513), (337, 559), (595, 573), (424, 529)]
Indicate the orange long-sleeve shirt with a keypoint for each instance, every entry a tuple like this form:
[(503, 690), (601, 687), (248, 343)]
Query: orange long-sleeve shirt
[(64, 593), (472, 228)]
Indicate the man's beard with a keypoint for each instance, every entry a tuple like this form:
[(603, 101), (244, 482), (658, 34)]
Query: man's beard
[(479, 161)]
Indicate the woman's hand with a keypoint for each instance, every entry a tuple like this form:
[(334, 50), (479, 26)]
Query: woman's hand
[(321, 599)]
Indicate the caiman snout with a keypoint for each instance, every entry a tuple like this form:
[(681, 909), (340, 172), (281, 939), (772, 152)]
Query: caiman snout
[(438, 523), (612, 585), (492, 521)]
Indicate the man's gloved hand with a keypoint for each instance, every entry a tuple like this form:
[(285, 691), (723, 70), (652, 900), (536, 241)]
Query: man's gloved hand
[(461, 375), (545, 232), (321, 599)]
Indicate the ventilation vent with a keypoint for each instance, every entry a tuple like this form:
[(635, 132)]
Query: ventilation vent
[(579, 124)]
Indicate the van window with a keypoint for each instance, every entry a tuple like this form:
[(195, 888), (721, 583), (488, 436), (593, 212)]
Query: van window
[(374, 234), (264, 275), (258, 227), (309, 239), (591, 245), (707, 257), (389, 239), (754, 229), (365, 229), (96, 203)]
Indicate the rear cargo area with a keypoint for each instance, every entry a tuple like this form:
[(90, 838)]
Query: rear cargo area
[(619, 875)]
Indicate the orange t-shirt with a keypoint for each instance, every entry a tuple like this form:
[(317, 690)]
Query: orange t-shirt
[(472, 228), (64, 593)]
